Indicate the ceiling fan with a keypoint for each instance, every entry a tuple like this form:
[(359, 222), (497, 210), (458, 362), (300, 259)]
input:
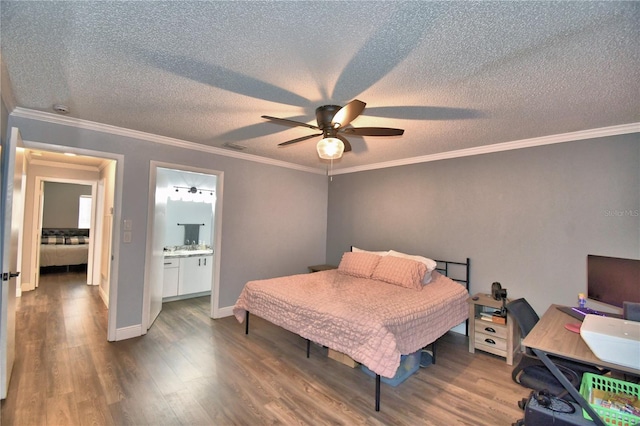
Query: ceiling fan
[(332, 122)]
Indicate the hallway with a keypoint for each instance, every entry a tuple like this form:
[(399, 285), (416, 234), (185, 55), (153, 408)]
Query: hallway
[(56, 374)]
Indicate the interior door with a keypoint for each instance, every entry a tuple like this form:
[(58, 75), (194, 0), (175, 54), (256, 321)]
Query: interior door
[(12, 161), (97, 232), (156, 271), (38, 208)]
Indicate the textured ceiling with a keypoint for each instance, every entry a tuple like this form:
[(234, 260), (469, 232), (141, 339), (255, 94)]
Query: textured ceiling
[(454, 75)]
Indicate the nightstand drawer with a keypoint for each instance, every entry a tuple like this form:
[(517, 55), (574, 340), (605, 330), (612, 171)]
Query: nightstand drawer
[(493, 329), (487, 340)]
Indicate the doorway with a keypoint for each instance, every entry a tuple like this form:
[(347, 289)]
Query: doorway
[(178, 192), (100, 170), (64, 211)]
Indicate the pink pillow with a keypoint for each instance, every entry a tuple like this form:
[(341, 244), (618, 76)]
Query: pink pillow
[(358, 264), (400, 271)]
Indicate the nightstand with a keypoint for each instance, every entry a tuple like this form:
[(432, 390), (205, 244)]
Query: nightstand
[(488, 336), (318, 268)]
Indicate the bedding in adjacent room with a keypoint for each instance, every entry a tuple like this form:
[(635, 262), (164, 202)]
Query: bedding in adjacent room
[(64, 247)]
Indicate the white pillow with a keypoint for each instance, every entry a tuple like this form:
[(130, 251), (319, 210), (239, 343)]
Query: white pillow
[(358, 250), (429, 263)]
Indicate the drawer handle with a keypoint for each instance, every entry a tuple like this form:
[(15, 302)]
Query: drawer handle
[(490, 341), (168, 263), (489, 329)]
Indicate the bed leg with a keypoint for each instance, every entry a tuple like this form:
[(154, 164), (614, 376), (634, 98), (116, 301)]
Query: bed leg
[(377, 392), (433, 349), (308, 347), (246, 322)]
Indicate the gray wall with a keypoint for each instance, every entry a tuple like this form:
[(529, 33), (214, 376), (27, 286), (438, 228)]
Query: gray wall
[(61, 204), (273, 219), (527, 218)]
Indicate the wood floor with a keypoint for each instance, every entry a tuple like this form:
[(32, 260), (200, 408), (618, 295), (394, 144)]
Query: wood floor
[(192, 370)]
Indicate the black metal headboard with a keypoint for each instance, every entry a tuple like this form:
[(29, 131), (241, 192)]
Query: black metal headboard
[(445, 270)]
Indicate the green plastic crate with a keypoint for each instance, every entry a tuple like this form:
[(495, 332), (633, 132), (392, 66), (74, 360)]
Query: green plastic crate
[(608, 415)]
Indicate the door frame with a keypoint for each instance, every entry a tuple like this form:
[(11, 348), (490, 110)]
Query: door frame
[(95, 240), (217, 234), (117, 214)]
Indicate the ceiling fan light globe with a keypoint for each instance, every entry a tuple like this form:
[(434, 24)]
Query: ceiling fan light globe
[(330, 148)]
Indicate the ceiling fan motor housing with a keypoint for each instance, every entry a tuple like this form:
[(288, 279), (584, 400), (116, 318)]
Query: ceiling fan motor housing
[(325, 114)]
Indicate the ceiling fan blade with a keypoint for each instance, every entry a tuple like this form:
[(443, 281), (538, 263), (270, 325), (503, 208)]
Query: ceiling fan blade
[(347, 145), (373, 131), (291, 123), (347, 113), (303, 138)]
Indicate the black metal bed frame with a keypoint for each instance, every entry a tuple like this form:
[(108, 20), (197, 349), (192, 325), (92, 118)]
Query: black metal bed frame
[(467, 279), (443, 270)]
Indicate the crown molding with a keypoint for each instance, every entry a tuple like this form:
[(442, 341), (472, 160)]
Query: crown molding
[(601, 132), (467, 152), (150, 137)]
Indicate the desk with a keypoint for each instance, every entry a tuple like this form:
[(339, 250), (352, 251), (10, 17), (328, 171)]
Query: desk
[(549, 337)]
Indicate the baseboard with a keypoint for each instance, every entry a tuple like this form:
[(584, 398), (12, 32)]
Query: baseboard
[(227, 311), (129, 332), (104, 296)]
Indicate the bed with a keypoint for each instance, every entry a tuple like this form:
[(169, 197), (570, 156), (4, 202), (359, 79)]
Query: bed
[(375, 307), (64, 247)]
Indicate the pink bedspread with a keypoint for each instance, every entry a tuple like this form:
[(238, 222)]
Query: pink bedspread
[(371, 321)]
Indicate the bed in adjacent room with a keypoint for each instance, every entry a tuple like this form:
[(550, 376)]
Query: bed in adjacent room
[(64, 247), (374, 308)]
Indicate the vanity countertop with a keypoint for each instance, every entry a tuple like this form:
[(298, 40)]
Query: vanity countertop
[(188, 253)]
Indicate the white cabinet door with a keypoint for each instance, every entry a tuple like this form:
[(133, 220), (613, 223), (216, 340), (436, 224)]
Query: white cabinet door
[(195, 274), (170, 278), (207, 273)]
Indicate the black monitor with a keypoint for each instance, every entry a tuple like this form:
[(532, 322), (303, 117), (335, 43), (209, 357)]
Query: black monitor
[(613, 280)]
